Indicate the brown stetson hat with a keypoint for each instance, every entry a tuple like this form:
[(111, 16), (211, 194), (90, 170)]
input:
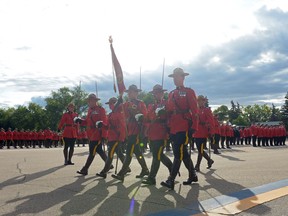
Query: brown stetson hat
[(112, 100), (133, 88), (157, 88), (178, 71), (202, 98), (93, 96)]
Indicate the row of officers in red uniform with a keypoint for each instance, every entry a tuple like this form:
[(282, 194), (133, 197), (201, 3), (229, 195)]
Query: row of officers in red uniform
[(26, 138)]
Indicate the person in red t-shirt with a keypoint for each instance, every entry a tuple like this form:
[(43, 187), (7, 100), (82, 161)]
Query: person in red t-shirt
[(157, 133), (183, 110)]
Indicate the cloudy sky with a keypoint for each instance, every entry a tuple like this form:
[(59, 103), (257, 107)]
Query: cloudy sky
[(234, 50)]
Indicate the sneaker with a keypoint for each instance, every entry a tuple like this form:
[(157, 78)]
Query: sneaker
[(118, 177), (149, 181)]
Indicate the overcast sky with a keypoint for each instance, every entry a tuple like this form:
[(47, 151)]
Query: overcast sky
[(233, 50)]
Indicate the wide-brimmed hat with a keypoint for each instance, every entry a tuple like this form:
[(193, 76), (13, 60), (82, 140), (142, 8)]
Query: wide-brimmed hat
[(71, 104), (202, 98), (178, 71), (93, 96), (133, 88), (157, 88), (112, 100)]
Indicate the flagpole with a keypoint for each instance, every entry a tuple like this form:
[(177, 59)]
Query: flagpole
[(96, 88), (163, 73), (140, 78)]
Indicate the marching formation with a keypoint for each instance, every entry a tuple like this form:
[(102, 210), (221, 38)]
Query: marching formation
[(180, 120)]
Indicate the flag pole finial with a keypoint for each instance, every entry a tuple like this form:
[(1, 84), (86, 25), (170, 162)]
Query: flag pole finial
[(110, 39)]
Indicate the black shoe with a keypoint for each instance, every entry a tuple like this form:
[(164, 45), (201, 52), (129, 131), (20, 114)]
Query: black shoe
[(101, 174), (228, 147), (190, 180), (111, 167), (118, 177), (70, 163), (143, 173), (197, 168), (210, 162), (217, 152), (82, 172), (169, 183), (65, 163), (149, 181), (128, 170)]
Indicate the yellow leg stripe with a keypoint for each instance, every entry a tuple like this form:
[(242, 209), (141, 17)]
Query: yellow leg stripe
[(187, 138), (159, 153), (181, 151), (132, 150), (94, 150), (202, 148), (113, 149)]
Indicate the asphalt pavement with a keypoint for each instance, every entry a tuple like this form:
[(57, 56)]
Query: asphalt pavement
[(35, 182)]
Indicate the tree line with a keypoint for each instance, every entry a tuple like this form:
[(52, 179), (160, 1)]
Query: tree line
[(37, 117)]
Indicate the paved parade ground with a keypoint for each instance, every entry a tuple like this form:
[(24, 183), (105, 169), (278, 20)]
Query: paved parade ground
[(244, 180)]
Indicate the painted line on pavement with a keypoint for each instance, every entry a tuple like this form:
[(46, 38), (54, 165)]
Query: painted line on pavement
[(233, 203)]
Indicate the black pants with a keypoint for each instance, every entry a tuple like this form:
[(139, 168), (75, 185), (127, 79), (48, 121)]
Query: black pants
[(113, 147), (133, 147), (68, 144), (157, 147)]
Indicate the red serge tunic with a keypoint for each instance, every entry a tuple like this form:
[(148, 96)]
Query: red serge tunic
[(96, 113), (131, 108), (157, 125), (183, 108), (206, 123), (116, 124), (70, 128)]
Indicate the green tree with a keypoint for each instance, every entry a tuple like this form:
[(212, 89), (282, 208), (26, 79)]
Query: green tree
[(222, 112), (234, 112), (284, 112), (275, 115)]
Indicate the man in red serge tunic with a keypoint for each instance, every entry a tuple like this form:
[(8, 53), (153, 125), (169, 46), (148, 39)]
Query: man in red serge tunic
[(116, 133), (95, 118), (157, 133), (205, 129), (135, 111), (183, 110)]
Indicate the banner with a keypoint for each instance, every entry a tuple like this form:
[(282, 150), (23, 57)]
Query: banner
[(118, 72)]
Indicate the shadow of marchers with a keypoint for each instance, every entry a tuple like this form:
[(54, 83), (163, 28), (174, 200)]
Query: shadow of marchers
[(36, 203), (28, 177), (122, 202), (81, 203)]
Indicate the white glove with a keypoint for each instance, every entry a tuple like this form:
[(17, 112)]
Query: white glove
[(139, 117), (159, 110), (99, 124), (77, 119)]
